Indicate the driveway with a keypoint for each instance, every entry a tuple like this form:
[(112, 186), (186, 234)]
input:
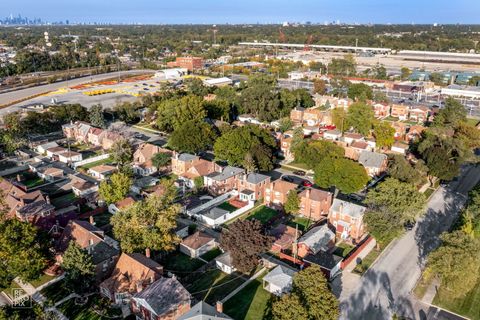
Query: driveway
[(386, 287)]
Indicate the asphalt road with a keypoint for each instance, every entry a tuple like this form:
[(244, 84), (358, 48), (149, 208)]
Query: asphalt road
[(9, 97), (386, 287)]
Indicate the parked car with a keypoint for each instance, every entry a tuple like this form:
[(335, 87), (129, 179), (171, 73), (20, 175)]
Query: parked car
[(287, 178), (409, 225), (306, 183), (299, 173)]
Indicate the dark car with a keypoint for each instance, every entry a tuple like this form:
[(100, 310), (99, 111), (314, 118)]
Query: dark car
[(299, 173), (306, 183), (409, 225), (287, 178)]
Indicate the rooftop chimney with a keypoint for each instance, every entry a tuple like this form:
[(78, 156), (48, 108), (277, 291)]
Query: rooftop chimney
[(91, 220), (47, 199), (219, 306), (147, 252)]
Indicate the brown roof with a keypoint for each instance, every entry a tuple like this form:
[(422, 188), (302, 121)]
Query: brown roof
[(56, 149), (359, 145), (95, 131), (353, 135), (103, 168), (283, 186), (128, 201), (53, 171), (197, 240), (69, 154), (201, 169), (83, 233), (132, 273), (315, 194)]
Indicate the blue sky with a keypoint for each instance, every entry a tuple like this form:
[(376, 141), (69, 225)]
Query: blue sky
[(247, 11)]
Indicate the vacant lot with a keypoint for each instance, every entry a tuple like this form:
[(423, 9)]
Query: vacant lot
[(263, 214)]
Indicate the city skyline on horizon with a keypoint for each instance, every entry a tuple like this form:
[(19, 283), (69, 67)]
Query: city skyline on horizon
[(248, 11)]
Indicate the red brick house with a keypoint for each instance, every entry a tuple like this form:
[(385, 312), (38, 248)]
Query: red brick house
[(252, 186), (347, 219), (317, 239), (399, 111), (315, 203), (276, 192)]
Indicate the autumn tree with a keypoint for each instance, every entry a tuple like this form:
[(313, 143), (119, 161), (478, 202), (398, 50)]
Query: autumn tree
[(384, 134), (292, 205), (310, 298), (121, 152), (79, 268), (148, 224), (115, 188), (245, 240), (319, 86)]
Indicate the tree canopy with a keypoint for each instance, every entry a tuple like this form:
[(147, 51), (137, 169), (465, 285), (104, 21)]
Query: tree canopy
[(192, 137), (312, 152), (345, 174), (360, 117), (79, 268), (384, 134), (292, 205), (115, 188), (360, 91)]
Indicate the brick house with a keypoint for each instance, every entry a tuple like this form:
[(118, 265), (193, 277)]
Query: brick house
[(94, 136), (399, 111), (103, 249), (400, 129), (296, 115), (181, 162), (347, 218), (381, 110), (419, 114), (374, 163), (414, 133), (77, 131), (223, 181), (165, 299), (189, 63), (284, 237), (142, 158), (252, 186), (108, 139), (315, 203), (277, 191), (285, 147), (133, 272), (318, 239)]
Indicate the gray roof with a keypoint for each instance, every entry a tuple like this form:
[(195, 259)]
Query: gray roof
[(145, 182), (256, 178), (281, 276), (225, 258), (204, 311), (186, 157), (226, 173), (334, 132), (215, 213), (101, 252), (163, 296), (48, 145), (372, 159), (324, 260), (318, 238), (345, 207)]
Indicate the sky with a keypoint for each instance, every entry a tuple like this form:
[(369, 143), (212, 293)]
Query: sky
[(247, 11)]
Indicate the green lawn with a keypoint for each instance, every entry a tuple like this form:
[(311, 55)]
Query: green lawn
[(367, 261), (428, 192), (96, 163), (64, 200), (56, 291), (299, 165), (468, 306), (87, 311), (33, 182), (227, 206), (180, 263), (212, 254), (251, 303), (303, 223), (8, 290), (263, 214), (472, 121), (44, 278), (343, 249), (215, 285)]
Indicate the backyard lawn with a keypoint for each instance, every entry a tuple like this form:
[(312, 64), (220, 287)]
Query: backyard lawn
[(101, 219), (64, 201), (343, 249), (44, 278), (56, 291), (303, 223), (468, 306), (251, 303), (367, 261), (87, 311), (263, 214), (215, 285), (227, 206), (33, 182), (212, 254), (96, 163), (181, 263)]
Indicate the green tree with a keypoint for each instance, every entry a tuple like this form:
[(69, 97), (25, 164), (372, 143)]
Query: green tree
[(174, 112), (383, 226), (198, 182), (451, 115), (384, 134), (245, 240), (360, 91), (405, 73), (23, 252), (437, 78), (292, 205), (233, 146), (339, 119), (285, 124), (360, 117), (121, 152), (161, 159), (148, 224), (456, 263), (397, 198), (345, 174), (79, 268), (192, 137), (96, 116), (196, 86), (343, 67), (310, 297), (312, 152), (400, 169), (115, 188)]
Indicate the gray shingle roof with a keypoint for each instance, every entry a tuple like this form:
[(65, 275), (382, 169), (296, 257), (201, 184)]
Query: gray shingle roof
[(345, 207), (256, 178), (281, 276), (226, 173), (203, 311), (216, 213), (318, 238), (186, 157), (372, 159)]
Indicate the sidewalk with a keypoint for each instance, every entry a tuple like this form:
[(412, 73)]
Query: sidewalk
[(361, 255)]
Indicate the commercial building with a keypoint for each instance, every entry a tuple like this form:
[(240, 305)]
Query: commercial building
[(189, 63)]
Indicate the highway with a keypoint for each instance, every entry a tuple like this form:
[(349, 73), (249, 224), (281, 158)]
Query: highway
[(385, 289), (12, 96)]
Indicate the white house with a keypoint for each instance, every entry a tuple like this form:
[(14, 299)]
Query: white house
[(42, 149), (400, 147), (224, 263), (279, 280), (332, 134), (102, 171), (197, 244), (248, 118), (70, 157)]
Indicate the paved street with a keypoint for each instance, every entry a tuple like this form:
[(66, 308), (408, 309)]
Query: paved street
[(386, 287)]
